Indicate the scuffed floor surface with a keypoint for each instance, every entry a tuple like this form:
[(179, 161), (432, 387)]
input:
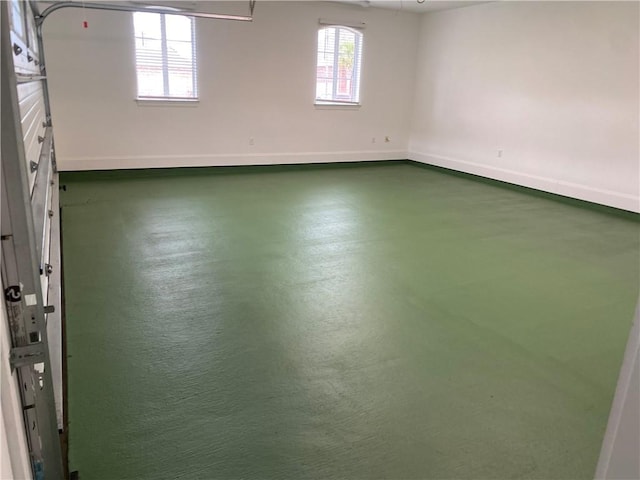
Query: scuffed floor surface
[(383, 321)]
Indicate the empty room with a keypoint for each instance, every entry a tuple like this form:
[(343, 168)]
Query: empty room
[(320, 239)]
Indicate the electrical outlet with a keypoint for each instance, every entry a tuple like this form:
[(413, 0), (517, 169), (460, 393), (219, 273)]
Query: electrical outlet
[(499, 153), (251, 141), (387, 139), (373, 139)]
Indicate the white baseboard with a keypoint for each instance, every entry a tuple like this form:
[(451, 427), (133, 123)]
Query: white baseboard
[(559, 187), (169, 161), (581, 192)]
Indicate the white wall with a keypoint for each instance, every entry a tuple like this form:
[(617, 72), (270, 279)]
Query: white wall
[(554, 85), (619, 458), (256, 80)]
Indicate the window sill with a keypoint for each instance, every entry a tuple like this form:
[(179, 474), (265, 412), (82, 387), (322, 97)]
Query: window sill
[(167, 102), (336, 105)]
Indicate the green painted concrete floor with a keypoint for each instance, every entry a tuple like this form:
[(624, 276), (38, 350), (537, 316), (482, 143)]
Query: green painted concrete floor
[(379, 321)]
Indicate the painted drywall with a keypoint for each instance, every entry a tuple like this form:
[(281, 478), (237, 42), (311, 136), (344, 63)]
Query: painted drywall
[(619, 459), (553, 86), (257, 80), (14, 453)]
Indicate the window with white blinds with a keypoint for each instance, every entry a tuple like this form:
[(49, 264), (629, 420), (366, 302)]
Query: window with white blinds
[(165, 56), (338, 65)]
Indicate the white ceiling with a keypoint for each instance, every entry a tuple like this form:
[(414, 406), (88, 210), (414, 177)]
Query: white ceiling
[(209, 5), (413, 5)]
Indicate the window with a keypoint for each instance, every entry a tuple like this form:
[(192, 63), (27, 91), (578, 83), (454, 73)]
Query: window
[(338, 66), (165, 56), (17, 18)]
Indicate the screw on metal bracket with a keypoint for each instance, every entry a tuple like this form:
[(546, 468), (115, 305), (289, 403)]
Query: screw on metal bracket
[(40, 139), (48, 269), (33, 166), (17, 49), (50, 212)]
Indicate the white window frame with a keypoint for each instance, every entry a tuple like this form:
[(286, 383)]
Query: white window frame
[(166, 98), (357, 67)]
